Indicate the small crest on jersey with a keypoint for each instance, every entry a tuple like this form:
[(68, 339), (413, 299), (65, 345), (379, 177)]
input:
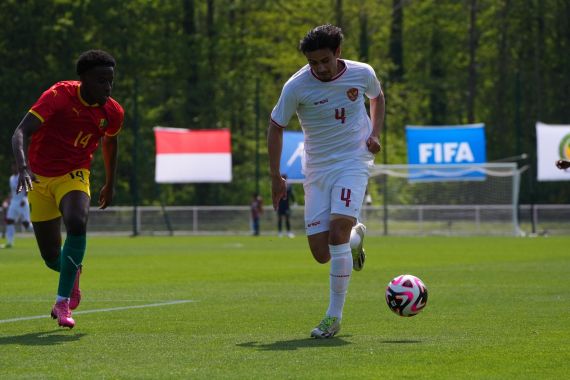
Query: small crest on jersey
[(352, 94), (103, 123)]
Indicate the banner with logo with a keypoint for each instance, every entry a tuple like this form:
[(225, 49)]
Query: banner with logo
[(293, 156), (200, 155), (552, 144), (447, 145)]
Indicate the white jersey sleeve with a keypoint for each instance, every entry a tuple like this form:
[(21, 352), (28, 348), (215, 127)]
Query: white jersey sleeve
[(373, 86), (286, 106)]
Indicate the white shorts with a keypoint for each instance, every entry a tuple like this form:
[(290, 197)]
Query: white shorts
[(18, 211), (338, 193)]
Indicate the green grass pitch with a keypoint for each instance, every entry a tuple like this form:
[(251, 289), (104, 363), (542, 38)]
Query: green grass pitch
[(499, 308)]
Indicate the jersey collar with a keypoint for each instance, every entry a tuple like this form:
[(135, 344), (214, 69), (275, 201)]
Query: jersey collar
[(83, 100)]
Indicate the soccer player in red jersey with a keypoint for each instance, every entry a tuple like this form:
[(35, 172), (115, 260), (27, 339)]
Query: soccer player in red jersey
[(53, 146)]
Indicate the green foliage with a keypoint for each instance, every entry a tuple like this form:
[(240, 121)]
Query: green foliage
[(194, 64)]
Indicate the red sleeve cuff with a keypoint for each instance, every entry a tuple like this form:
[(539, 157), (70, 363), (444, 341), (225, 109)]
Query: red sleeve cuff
[(277, 124)]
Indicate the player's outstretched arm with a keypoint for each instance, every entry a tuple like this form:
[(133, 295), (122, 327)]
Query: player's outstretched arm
[(29, 124), (562, 164), (377, 110), (110, 151), (274, 148)]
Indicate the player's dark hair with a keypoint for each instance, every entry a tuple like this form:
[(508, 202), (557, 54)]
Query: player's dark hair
[(322, 37), (94, 58)]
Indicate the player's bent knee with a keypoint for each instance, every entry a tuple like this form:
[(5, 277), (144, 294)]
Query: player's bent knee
[(76, 224), (320, 253), (50, 253), (318, 243), (322, 258), (340, 228)]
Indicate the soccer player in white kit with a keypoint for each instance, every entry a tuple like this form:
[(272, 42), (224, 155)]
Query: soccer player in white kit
[(18, 210), (341, 140)]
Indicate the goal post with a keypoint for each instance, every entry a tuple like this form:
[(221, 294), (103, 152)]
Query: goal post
[(466, 199)]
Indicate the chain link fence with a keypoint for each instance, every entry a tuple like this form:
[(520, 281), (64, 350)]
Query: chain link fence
[(416, 220)]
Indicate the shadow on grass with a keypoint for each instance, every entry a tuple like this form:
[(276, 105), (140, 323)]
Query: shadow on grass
[(295, 344), (47, 338)]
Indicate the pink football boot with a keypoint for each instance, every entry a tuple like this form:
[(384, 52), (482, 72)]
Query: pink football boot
[(75, 297), (62, 313)]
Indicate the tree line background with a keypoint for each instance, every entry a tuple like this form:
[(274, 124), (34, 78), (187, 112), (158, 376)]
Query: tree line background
[(196, 63)]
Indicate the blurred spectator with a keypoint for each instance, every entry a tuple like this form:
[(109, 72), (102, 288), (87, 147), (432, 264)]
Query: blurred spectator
[(18, 209), (367, 198), (284, 211), (256, 211), (5, 204)]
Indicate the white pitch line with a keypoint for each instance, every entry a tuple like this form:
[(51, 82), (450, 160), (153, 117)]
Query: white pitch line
[(101, 310)]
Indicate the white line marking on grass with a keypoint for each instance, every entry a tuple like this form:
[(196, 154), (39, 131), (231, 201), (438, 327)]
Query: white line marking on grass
[(101, 310)]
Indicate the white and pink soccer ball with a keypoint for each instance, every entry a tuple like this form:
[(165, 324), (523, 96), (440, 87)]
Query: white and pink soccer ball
[(406, 295)]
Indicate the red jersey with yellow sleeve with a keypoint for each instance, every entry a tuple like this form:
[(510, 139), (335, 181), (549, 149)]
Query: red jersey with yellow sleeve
[(71, 129)]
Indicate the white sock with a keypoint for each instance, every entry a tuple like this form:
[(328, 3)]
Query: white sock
[(341, 268), (10, 232), (60, 298)]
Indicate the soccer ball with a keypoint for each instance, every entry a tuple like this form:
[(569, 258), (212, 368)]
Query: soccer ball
[(406, 295)]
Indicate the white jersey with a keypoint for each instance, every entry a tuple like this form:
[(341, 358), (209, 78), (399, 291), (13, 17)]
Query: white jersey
[(16, 197), (332, 114)]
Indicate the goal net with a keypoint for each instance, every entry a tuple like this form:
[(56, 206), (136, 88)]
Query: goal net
[(475, 199)]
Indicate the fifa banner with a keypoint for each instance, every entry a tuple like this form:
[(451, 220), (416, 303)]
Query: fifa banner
[(293, 156), (200, 155), (446, 145), (552, 144)]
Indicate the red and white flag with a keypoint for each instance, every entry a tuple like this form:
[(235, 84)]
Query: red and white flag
[(200, 155)]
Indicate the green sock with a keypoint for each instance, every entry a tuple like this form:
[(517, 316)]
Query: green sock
[(54, 265), (71, 257)]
